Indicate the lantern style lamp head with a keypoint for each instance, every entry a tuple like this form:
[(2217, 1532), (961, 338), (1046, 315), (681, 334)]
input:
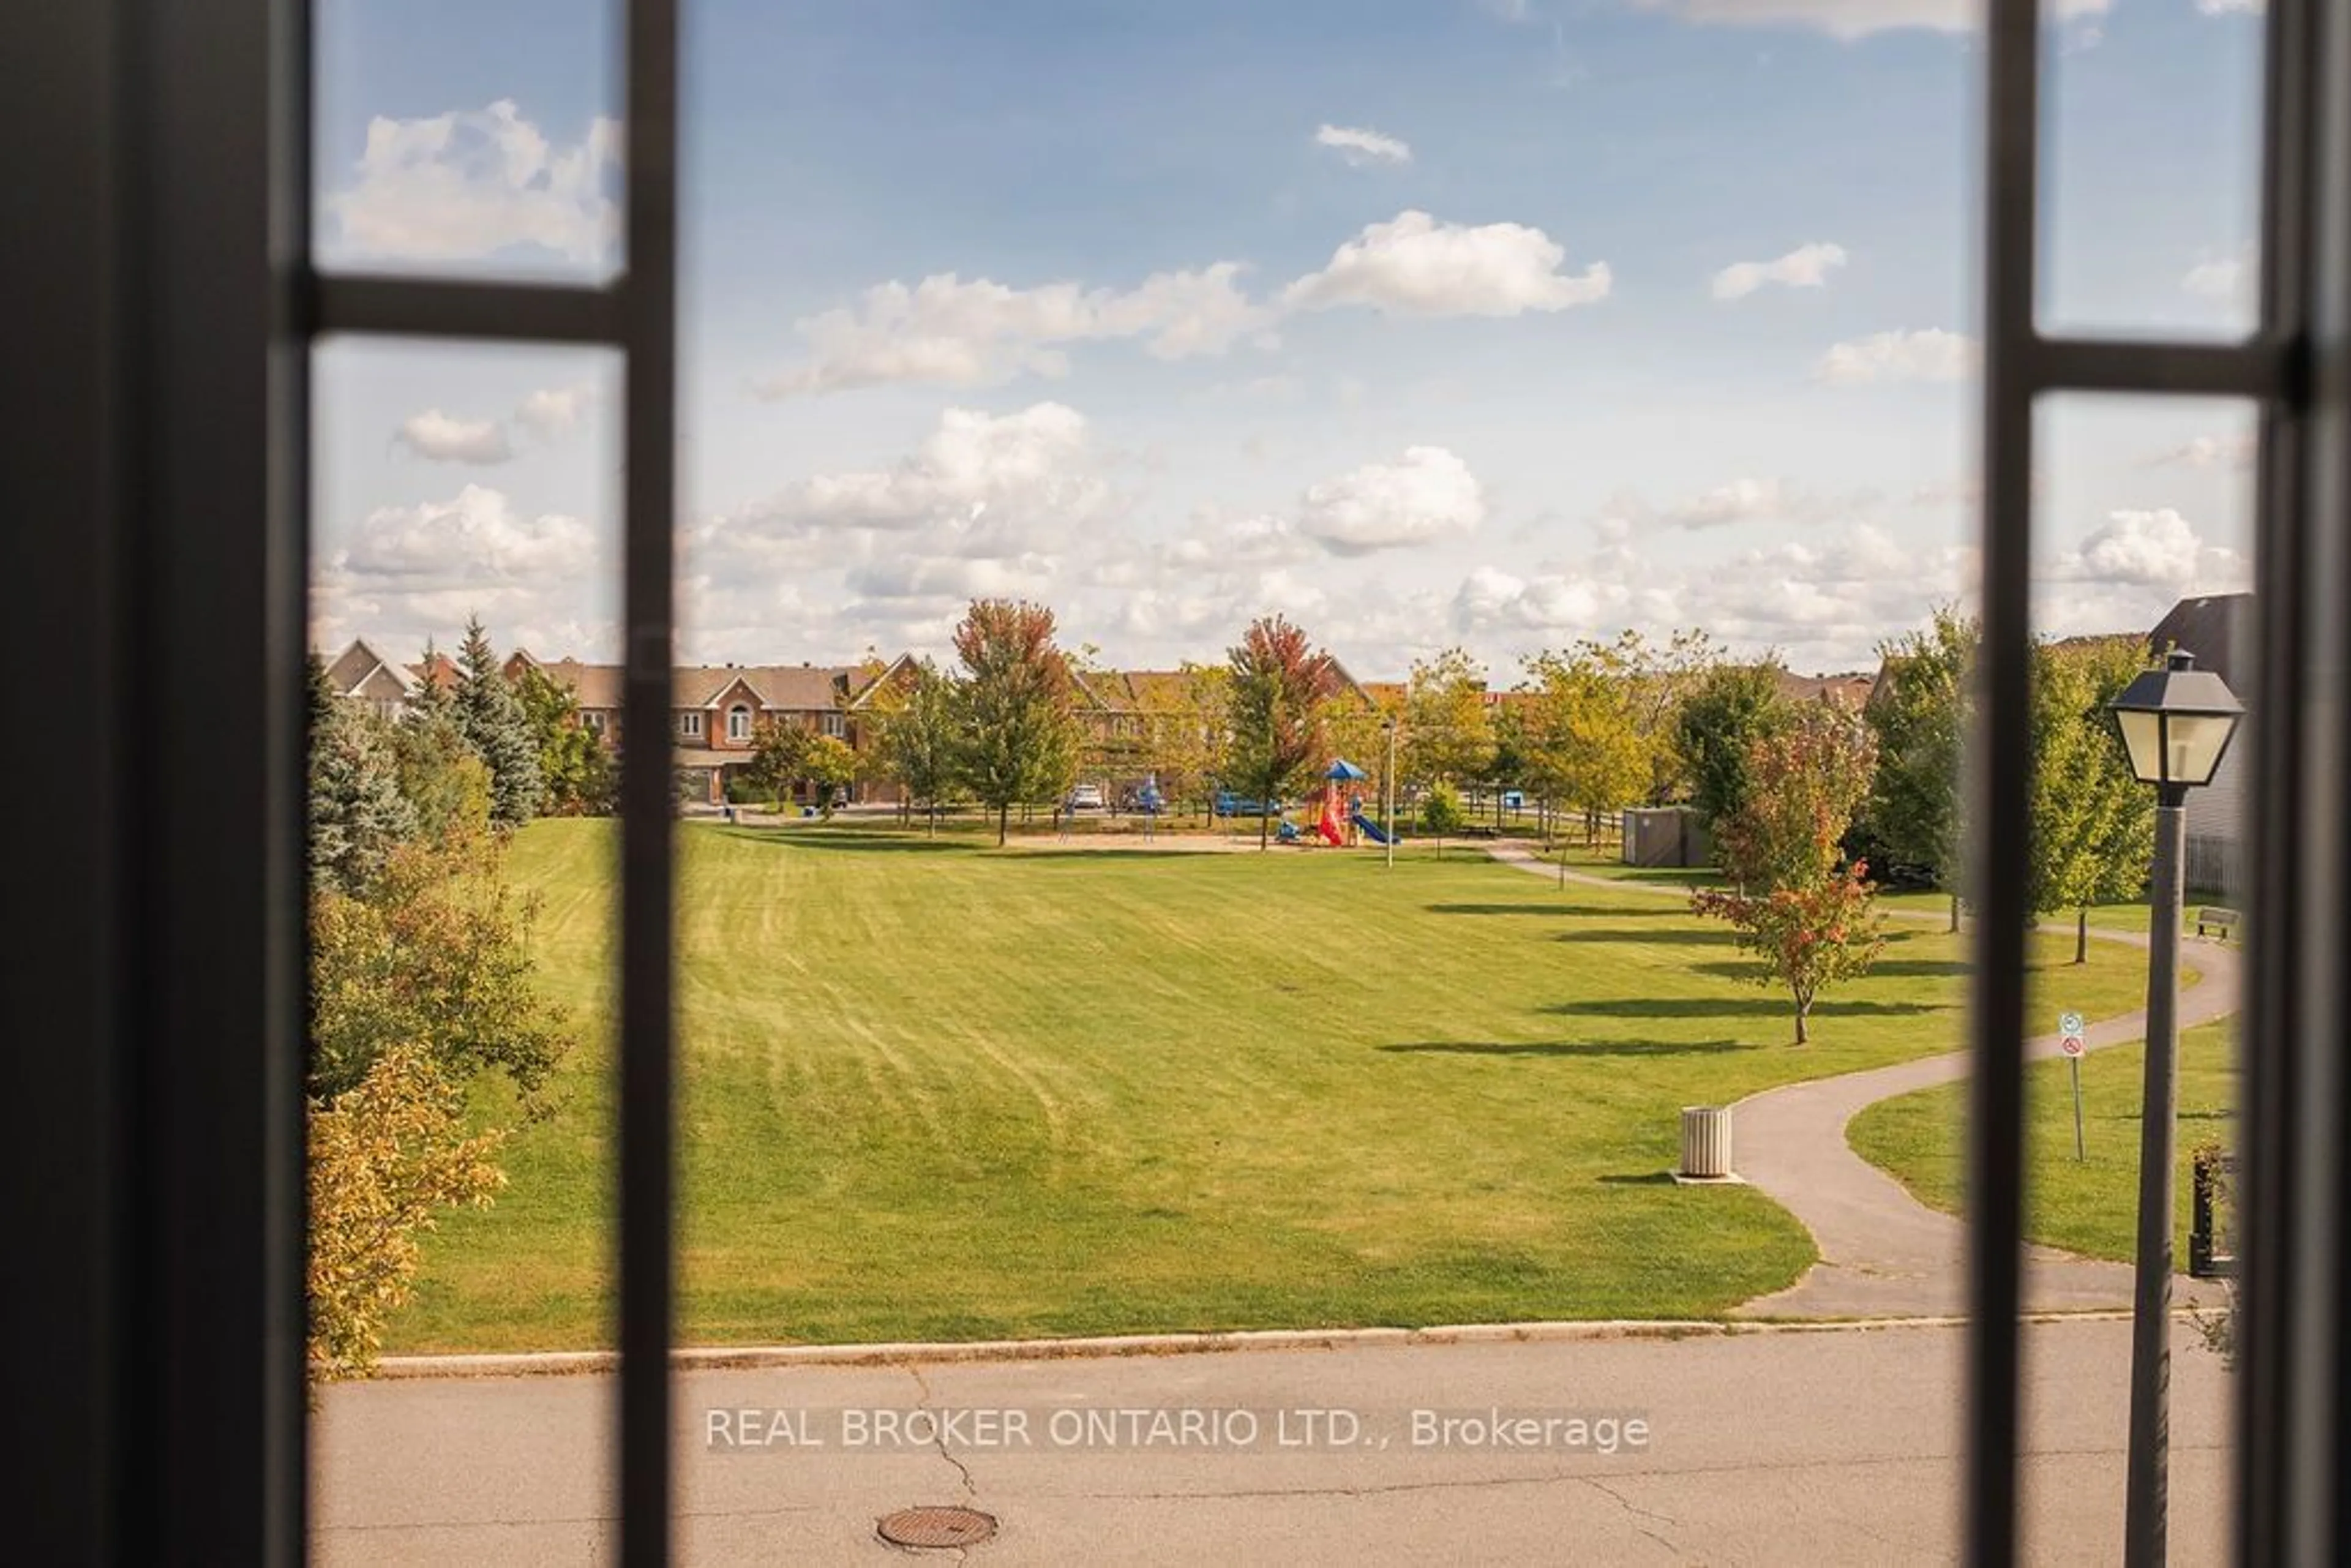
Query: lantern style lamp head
[(2177, 722)]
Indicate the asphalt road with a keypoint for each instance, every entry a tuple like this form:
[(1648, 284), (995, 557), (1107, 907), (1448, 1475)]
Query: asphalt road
[(1803, 1445)]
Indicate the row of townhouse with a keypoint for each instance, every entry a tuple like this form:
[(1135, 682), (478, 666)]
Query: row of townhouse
[(716, 710)]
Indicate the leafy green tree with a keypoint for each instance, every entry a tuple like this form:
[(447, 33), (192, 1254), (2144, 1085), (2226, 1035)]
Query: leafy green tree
[(1280, 683), (1919, 716), (778, 754), (573, 766), (2093, 820), (830, 766), (1018, 739), (1725, 714), (435, 955), (1186, 722), (357, 812), (1448, 735), (1442, 815), (915, 738), (1808, 915), (492, 720), (1583, 731)]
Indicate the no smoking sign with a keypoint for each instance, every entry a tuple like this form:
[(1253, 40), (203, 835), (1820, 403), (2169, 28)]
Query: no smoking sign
[(2071, 1038)]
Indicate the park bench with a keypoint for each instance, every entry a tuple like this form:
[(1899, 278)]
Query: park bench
[(2212, 918)]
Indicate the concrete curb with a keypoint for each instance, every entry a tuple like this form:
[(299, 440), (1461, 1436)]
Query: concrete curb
[(753, 1358)]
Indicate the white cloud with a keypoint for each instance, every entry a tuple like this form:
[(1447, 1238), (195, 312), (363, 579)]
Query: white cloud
[(477, 537), (2225, 280), (438, 438), (1850, 19), (2232, 7), (2151, 549), (551, 412), (1415, 266), (473, 183), (1806, 266), (1553, 604), (1927, 355), (950, 578), (1360, 145), (1425, 496), (1007, 496), (548, 413), (2235, 451), (945, 331), (1218, 540), (1737, 502)]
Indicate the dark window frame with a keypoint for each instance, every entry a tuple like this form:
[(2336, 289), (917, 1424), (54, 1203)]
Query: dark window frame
[(166, 307)]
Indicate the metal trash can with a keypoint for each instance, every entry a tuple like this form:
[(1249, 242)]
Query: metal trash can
[(1706, 1142)]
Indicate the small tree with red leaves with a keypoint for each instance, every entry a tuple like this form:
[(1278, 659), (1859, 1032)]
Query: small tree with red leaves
[(1280, 681), (1018, 743), (1810, 919)]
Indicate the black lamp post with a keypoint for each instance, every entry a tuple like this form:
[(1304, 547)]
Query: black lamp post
[(2177, 723)]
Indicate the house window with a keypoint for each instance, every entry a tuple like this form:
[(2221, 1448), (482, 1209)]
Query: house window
[(835, 725), (593, 718), (689, 724), (738, 723)]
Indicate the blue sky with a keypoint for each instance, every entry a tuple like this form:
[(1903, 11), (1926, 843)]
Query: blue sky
[(1452, 321)]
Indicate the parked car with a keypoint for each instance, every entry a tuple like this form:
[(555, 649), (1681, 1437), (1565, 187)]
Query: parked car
[(1231, 805), (1086, 798)]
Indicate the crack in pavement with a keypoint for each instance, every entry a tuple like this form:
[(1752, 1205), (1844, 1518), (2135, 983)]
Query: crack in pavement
[(939, 1436)]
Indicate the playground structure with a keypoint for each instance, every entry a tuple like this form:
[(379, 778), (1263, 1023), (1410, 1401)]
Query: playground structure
[(1342, 813)]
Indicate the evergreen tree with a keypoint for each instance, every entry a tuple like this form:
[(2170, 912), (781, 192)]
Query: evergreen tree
[(356, 813), (492, 720)]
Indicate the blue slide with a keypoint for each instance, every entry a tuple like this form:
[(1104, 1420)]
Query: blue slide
[(1368, 827)]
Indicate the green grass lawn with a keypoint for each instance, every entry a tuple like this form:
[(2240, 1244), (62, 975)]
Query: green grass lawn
[(2091, 1206), (933, 1090)]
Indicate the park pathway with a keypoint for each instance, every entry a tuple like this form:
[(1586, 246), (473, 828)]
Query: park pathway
[(1882, 1253)]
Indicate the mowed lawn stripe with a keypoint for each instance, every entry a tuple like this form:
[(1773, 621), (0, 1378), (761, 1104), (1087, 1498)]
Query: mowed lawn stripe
[(934, 1090)]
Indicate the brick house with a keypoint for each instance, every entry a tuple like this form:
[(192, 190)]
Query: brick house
[(359, 674), (716, 710)]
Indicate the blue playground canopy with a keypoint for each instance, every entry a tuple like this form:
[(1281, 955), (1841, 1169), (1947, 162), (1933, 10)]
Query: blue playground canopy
[(1345, 769)]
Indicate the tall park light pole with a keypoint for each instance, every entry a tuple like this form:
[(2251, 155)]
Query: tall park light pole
[(1388, 789), (2177, 723)]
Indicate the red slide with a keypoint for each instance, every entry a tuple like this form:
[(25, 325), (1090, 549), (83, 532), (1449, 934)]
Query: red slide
[(1329, 826)]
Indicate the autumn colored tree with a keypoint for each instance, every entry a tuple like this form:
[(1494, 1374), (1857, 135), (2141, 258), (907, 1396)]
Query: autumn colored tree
[(386, 1157), (1807, 916), (1279, 683), (1018, 740)]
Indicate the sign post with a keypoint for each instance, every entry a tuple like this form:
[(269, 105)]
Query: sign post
[(2073, 1042)]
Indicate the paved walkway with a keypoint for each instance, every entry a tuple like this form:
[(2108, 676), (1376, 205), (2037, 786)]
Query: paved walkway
[(1882, 1253), (1824, 1446)]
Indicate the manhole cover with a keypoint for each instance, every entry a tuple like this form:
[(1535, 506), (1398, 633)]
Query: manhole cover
[(936, 1527)]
